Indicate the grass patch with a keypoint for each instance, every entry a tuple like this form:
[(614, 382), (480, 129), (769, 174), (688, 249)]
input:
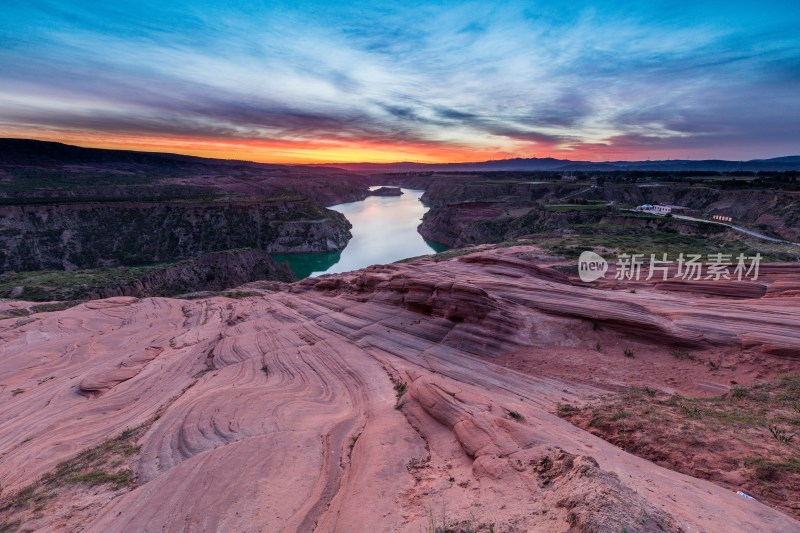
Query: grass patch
[(7, 526), (637, 391), (105, 464), (576, 207), (614, 239), (767, 469), (565, 409), (751, 430), (780, 434), (681, 354), (67, 286), (100, 477), (238, 295), (738, 392)]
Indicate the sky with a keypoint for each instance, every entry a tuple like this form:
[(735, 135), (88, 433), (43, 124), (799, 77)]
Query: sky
[(321, 82)]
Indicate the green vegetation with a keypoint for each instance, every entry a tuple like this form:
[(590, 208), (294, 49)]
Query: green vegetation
[(353, 441), (516, 415), (459, 252), (681, 354), (564, 409), (100, 477), (643, 390), (616, 239), (738, 392), (163, 279), (780, 434), (767, 470), (566, 208), (440, 523), (69, 285), (238, 295), (751, 430), (29, 179), (106, 464), (8, 526), (38, 308), (400, 388)]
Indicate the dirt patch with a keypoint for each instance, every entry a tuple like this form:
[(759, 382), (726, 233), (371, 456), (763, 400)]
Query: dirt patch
[(746, 440)]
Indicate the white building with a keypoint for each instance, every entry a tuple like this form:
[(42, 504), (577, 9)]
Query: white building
[(655, 209)]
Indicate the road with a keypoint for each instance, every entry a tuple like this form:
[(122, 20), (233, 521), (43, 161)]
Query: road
[(740, 229), (570, 195)]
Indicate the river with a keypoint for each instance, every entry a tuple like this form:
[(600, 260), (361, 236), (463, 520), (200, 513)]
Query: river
[(384, 231)]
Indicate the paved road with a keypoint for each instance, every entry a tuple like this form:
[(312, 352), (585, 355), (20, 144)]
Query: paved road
[(740, 229), (570, 195)]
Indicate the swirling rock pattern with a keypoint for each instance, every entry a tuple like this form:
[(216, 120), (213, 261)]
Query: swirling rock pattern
[(365, 401)]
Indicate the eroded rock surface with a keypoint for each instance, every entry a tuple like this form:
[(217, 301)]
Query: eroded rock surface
[(381, 400)]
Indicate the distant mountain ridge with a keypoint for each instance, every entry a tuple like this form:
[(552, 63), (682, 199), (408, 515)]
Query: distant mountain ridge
[(33, 152), (29, 151), (549, 163)]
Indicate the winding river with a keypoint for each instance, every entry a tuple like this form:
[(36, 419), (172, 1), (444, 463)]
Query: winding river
[(384, 231)]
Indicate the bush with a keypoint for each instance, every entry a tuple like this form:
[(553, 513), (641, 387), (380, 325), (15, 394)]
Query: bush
[(628, 352), (738, 392)]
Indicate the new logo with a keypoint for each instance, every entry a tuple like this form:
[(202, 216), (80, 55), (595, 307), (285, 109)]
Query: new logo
[(591, 266)]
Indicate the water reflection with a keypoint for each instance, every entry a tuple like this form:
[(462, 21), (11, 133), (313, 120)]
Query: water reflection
[(384, 230)]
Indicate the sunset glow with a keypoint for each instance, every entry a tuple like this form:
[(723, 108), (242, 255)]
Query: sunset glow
[(289, 82)]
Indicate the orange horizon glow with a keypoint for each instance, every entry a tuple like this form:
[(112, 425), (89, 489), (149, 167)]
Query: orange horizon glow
[(339, 151), (325, 151)]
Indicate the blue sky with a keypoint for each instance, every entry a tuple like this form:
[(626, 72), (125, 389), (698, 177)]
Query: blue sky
[(383, 81)]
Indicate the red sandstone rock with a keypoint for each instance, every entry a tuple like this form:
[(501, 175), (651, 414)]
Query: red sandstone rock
[(276, 413)]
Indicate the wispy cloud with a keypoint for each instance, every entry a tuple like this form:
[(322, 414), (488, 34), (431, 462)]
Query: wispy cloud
[(436, 81)]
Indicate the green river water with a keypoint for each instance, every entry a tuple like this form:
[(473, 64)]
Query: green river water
[(384, 231)]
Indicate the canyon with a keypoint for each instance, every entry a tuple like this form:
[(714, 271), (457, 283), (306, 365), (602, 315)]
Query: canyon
[(88, 235), (161, 371), (480, 209)]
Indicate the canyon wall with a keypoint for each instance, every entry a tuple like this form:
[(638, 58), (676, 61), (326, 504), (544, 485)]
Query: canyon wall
[(209, 272), (461, 214), (472, 223), (59, 236), (778, 211)]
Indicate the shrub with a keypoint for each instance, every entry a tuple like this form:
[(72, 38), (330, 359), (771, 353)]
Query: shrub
[(681, 354), (781, 434), (738, 392), (628, 352), (565, 409)]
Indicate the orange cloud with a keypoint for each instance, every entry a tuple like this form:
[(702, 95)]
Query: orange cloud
[(274, 150), (337, 150)]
